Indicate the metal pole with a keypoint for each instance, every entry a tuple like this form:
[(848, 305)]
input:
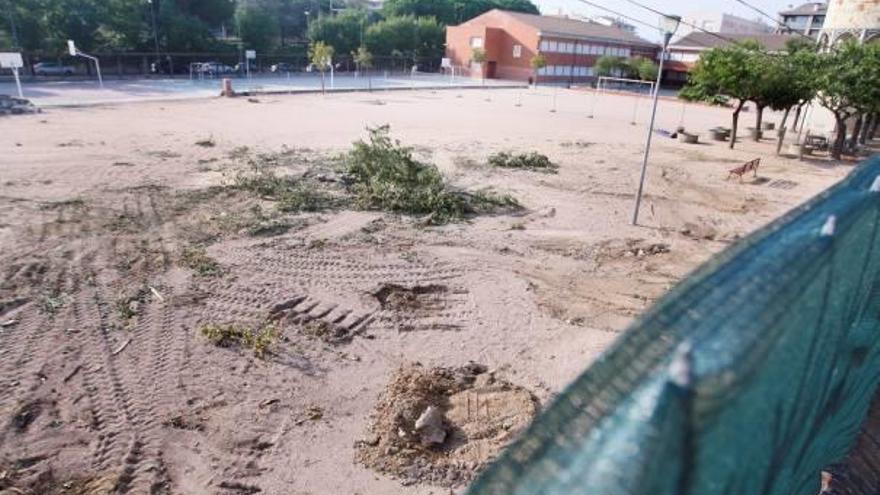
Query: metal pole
[(98, 67), (666, 39), (17, 82), (595, 97)]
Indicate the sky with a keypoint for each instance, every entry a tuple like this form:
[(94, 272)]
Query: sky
[(677, 7)]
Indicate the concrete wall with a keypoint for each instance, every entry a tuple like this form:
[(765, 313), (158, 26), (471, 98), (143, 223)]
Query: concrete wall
[(500, 33), (853, 14)]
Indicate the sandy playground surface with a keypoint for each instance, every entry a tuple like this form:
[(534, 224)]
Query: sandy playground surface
[(108, 384)]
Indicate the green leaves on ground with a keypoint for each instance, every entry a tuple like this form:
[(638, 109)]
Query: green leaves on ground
[(523, 161), (386, 176), (260, 340)]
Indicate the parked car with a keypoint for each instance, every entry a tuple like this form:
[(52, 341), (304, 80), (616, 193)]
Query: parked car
[(213, 68), (53, 69), (283, 67), (242, 68)]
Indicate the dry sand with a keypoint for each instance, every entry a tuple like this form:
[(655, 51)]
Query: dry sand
[(106, 383)]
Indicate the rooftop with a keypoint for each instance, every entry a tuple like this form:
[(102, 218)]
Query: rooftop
[(812, 8), (700, 40), (572, 28)]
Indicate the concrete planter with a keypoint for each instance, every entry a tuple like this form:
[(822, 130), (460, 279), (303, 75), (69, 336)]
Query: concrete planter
[(687, 138), (719, 134), (768, 126)]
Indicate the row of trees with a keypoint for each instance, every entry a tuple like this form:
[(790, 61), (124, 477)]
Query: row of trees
[(399, 35), (99, 25), (845, 80), (409, 27), (412, 28), (633, 68)]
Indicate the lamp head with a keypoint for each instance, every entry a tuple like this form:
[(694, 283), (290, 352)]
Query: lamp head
[(669, 24)]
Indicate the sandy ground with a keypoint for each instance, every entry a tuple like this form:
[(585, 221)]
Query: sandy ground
[(107, 385)]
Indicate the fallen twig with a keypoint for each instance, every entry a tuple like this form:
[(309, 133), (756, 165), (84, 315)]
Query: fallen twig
[(156, 293), (72, 373), (122, 347)]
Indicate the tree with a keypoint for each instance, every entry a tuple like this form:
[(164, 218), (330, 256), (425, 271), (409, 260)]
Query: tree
[(257, 29), (454, 11), (478, 56), (343, 32), (538, 62), (794, 85), (364, 60), (644, 69), (611, 66), (468, 9), (441, 10), (848, 79), (422, 37), (725, 71), (321, 56)]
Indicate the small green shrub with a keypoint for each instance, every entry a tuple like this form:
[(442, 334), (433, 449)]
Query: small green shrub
[(385, 176), (51, 303), (301, 198), (260, 340), (197, 259), (523, 161), (291, 195)]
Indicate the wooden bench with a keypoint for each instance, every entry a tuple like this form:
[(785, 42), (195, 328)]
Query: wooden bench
[(751, 166)]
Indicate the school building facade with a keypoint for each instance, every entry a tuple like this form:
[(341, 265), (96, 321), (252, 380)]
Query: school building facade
[(511, 39)]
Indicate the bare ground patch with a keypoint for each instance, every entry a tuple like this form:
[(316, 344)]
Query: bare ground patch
[(443, 425)]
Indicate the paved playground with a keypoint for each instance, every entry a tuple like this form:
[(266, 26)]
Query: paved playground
[(79, 92)]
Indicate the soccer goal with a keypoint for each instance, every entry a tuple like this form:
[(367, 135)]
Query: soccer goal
[(635, 87)]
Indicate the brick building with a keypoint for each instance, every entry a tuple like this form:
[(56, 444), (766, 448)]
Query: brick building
[(511, 39)]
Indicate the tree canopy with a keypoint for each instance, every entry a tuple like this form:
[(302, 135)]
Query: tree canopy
[(102, 26), (454, 11)]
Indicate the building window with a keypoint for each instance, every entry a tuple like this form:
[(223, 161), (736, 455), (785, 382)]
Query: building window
[(476, 42), (517, 51), (625, 52)]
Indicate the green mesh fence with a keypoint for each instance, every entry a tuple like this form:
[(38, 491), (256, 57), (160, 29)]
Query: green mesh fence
[(749, 378)]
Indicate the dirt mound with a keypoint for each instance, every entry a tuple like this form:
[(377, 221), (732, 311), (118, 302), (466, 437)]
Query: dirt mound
[(443, 425)]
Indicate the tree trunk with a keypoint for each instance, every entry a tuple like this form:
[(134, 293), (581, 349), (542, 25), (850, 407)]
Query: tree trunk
[(370, 80), (857, 130), (797, 117), (866, 128), (323, 86), (780, 134), (873, 132), (759, 116), (735, 122), (839, 138)]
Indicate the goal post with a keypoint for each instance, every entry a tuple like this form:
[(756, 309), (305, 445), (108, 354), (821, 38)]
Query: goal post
[(623, 85)]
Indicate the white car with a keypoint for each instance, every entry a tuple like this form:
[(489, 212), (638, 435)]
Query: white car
[(53, 69)]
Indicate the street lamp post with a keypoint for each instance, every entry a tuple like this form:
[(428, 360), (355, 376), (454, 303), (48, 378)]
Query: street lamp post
[(668, 24)]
